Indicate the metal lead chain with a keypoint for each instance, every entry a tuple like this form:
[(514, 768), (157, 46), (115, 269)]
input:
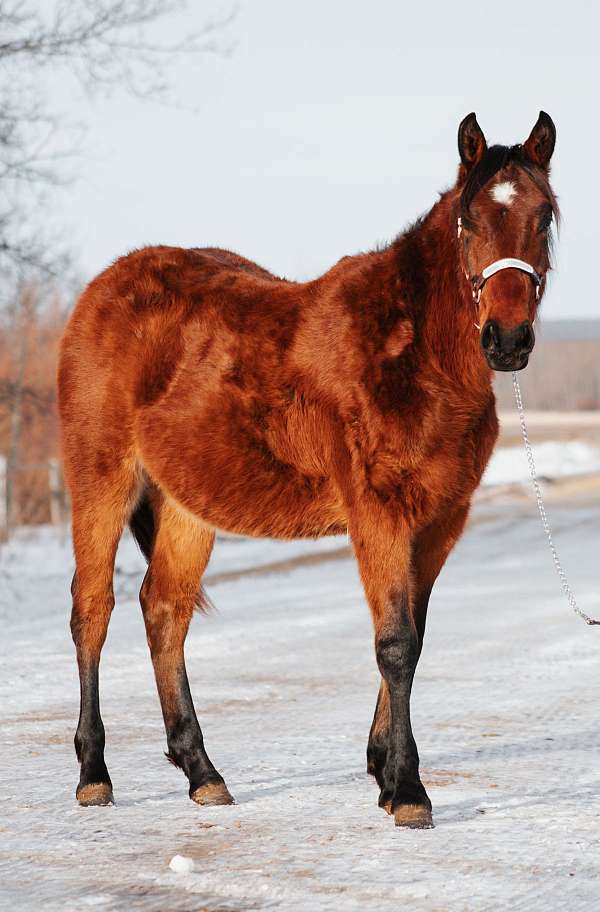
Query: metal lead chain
[(540, 502)]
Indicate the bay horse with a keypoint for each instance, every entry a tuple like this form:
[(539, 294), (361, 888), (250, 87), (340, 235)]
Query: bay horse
[(198, 392)]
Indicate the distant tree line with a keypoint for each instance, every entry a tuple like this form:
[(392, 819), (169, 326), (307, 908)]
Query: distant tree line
[(29, 435), (96, 46)]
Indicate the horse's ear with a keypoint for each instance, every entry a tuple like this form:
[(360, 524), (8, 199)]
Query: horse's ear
[(471, 142), (540, 144)]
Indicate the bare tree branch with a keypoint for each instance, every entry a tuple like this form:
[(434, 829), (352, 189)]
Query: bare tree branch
[(107, 46)]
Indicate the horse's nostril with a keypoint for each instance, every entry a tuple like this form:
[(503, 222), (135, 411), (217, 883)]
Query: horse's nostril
[(527, 337), (489, 337)]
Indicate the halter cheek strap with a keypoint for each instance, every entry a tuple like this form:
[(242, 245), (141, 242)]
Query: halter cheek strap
[(478, 282)]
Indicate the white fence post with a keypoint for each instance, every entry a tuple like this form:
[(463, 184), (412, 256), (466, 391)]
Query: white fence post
[(3, 500), (55, 487)]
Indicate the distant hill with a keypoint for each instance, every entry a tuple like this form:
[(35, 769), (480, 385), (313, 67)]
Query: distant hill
[(571, 330)]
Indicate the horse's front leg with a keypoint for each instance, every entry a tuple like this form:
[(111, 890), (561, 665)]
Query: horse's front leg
[(397, 649), (379, 735), (429, 550), (383, 547)]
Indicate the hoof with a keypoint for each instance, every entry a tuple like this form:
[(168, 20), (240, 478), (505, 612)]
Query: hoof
[(213, 793), (97, 794), (414, 816)]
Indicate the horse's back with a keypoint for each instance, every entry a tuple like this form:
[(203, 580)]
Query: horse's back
[(151, 298), (237, 261)]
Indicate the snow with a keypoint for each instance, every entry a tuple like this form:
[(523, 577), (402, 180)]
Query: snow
[(508, 465), (181, 864), (505, 711)]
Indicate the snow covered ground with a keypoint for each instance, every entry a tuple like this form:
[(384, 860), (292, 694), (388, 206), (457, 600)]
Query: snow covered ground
[(505, 711), (553, 459)]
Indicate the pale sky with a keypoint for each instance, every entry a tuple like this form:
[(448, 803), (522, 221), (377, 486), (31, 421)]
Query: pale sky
[(334, 124)]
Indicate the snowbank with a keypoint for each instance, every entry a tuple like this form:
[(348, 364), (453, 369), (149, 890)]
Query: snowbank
[(553, 459)]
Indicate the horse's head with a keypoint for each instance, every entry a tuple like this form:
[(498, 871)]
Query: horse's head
[(505, 211)]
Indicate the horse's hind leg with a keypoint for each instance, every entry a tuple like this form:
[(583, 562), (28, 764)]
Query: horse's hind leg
[(171, 589), (99, 514)]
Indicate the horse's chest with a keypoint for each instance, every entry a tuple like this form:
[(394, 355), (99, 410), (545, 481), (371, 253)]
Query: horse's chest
[(420, 475)]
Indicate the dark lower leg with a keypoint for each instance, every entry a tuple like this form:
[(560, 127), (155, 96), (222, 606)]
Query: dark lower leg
[(402, 791), (379, 735), (94, 786), (184, 736)]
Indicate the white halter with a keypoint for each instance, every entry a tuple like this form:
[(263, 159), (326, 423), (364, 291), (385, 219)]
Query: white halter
[(512, 263)]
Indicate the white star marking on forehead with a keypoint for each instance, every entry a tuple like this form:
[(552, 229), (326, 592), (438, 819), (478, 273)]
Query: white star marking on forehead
[(504, 192)]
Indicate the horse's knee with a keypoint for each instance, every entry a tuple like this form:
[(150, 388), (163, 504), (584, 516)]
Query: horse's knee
[(90, 615), (397, 654)]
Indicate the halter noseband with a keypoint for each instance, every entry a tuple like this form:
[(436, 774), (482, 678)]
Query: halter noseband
[(478, 282)]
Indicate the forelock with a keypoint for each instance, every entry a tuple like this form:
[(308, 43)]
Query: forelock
[(493, 161)]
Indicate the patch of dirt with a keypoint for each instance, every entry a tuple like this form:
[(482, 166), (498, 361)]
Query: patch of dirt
[(441, 777), (280, 566)]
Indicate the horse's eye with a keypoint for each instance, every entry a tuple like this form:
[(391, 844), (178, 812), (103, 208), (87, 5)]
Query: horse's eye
[(545, 222)]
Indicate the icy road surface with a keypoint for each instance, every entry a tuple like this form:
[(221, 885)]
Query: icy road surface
[(505, 710)]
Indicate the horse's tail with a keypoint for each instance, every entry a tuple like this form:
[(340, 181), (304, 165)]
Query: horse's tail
[(143, 528)]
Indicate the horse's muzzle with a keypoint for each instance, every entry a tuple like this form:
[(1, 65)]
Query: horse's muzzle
[(507, 349)]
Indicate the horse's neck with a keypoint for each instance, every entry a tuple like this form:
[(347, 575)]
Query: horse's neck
[(449, 314)]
